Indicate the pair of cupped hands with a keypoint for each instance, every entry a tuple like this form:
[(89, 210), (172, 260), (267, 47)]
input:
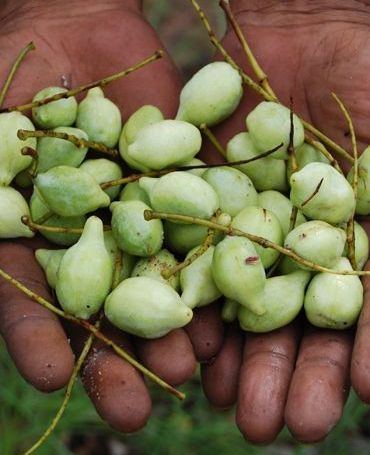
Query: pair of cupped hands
[(297, 375)]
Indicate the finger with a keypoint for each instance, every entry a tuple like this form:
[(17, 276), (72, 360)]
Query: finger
[(319, 384), (265, 375), (33, 335), (170, 357), (360, 365), (116, 388), (220, 376), (206, 331)]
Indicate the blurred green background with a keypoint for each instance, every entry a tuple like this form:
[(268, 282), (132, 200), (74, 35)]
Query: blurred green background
[(181, 429)]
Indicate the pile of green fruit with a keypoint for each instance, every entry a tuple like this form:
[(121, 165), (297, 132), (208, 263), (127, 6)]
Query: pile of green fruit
[(149, 270)]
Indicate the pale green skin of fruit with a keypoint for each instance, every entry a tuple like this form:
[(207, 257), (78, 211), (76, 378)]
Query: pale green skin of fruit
[(132, 232), (306, 154), (211, 95), (317, 242), (39, 208), (132, 192), (23, 179), (62, 112), (70, 192), (146, 115), (165, 144), (181, 238), (85, 273), (99, 117), (235, 276), (266, 173), (197, 284), (229, 311), (269, 125), (363, 192), (334, 202), (334, 301), (283, 299), (281, 207), (361, 246), (50, 261), (11, 159), (127, 260), (181, 193), (261, 222), (195, 162), (287, 265), (146, 307), (53, 152), (12, 207), (103, 170), (153, 267), (234, 189)]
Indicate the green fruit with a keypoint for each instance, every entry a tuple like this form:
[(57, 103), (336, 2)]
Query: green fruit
[(103, 170), (195, 162), (132, 192), (363, 193), (39, 209), (287, 265), (234, 189), (11, 159), (146, 307), (334, 301), (261, 222), (318, 242), (269, 125), (132, 232), (153, 267), (197, 284), (334, 200), (70, 192), (306, 154), (52, 151), (146, 115), (211, 95), (266, 173), (127, 260), (85, 273), (283, 299), (62, 112), (99, 117), (238, 272), (230, 310), (361, 246), (50, 261), (181, 193), (12, 208), (281, 207), (164, 144), (181, 238)]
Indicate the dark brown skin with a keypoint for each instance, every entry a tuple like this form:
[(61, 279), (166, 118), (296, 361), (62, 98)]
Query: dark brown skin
[(308, 48)]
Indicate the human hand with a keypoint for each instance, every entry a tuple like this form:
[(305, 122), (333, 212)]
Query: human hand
[(83, 41), (298, 375)]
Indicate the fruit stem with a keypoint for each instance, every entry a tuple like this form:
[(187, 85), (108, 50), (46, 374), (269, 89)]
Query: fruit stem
[(316, 190), (134, 177), (78, 142), (213, 139), (16, 64), (72, 381), (322, 149), (96, 332), (265, 243), (257, 88), (351, 222), (57, 229), (117, 269), (83, 88)]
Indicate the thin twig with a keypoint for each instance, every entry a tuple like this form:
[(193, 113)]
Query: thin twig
[(57, 229), (92, 329), (13, 70), (351, 241), (317, 189), (322, 149), (75, 91), (265, 243), (213, 139), (78, 142)]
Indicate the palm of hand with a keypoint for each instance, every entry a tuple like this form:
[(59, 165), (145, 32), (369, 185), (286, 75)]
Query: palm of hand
[(303, 381)]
